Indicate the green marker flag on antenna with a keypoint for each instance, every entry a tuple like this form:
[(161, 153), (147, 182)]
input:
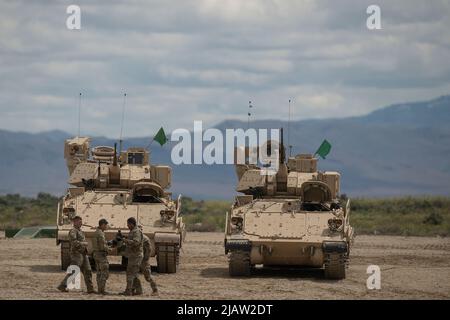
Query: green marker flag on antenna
[(160, 137), (324, 149)]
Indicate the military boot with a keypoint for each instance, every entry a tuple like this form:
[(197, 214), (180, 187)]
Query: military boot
[(62, 288), (137, 287), (90, 289), (153, 285), (101, 284), (138, 292), (127, 292), (63, 285)]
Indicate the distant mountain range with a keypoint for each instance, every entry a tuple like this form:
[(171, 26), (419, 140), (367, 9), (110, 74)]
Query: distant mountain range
[(402, 149)]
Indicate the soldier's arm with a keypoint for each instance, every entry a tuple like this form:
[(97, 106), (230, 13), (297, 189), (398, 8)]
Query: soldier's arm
[(147, 248), (74, 242), (133, 240), (102, 245)]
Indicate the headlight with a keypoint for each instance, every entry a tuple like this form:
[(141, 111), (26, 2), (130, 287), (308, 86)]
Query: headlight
[(69, 212), (334, 224), (236, 224), (167, 214)]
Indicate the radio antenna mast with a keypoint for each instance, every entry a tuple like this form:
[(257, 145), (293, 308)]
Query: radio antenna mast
[(249, 114), (121, 125), (79, 115), (289, 130)]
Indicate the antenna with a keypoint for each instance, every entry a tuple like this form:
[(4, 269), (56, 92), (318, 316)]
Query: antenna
[(121, 125), (79, 115), (282, 152), (249, 114), (289, 130)]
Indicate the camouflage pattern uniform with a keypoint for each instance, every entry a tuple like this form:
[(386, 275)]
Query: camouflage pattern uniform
[(78, 256), (145, 265), (100, 252), (133, 251)]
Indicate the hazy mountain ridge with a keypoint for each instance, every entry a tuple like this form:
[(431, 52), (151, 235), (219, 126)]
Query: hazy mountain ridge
[(397, 150)]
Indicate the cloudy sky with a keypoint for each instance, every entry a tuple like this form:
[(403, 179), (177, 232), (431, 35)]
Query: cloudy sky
[(181, 61)]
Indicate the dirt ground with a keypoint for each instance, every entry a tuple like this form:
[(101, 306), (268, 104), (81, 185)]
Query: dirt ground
[(411, 268)]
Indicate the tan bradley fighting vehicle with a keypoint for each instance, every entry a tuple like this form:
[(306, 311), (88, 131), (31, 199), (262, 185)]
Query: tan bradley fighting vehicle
[(104, 185), (293, 218)]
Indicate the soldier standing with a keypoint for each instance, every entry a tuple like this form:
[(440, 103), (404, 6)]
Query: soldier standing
[(100, 251), (134, 252), (145, 265), (78, 256)]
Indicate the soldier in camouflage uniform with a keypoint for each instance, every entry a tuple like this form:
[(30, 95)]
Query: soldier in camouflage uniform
[(100, 251), (145, 265), (78, 256), (134, 253)]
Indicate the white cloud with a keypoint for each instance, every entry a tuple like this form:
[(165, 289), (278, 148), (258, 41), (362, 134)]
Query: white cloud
[(204, 60)]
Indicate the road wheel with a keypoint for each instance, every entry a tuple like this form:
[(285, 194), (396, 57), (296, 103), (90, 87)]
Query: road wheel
[(335, 266), (65, 255), (239, 264)]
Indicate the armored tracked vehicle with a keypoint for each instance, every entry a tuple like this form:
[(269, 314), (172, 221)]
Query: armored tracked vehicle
[(104, 184), (292, 218)]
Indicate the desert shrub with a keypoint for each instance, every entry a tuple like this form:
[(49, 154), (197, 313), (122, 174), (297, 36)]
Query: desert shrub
[(433, 218), (418, 216)]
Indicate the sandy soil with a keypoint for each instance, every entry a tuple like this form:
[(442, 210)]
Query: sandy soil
[(411, 268)]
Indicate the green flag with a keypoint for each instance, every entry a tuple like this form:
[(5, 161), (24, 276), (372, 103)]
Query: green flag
[(324, 149), (160, 137)]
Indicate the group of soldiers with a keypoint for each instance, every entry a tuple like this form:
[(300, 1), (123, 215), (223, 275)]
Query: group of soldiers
[(137, 250)]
